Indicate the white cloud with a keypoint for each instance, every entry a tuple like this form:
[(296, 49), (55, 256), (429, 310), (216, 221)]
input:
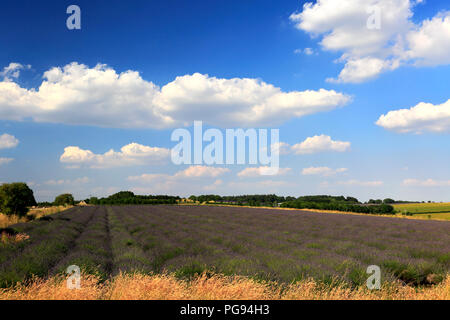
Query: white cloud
[(213, 186), (5, 161), (322, 171), (361, 183), (129, 155), (184, 182), (307, 51), (12, 71), (99, 96), (350, 27), (261, 171), (188, 173), (202, 171), (61, 182), (429, 44), (150, 177), (8, 141), (320, 143), (426, 183), (281, 147), (360, 70), (418, 119)]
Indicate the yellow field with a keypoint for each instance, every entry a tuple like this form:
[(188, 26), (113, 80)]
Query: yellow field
[(426, 210), (6, 221), (217, 287)]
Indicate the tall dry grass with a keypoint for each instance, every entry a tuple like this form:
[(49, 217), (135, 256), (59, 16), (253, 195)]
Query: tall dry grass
[(216, 287), (6, 221)]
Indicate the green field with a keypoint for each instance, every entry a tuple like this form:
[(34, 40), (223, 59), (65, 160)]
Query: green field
[(424, 210)]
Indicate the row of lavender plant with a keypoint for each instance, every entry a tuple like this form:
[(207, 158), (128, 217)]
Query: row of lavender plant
[(92, 249), (127, 255), (49, 242), (284, 246)]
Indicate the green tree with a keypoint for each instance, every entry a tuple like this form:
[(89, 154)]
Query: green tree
[(93, 200), (15, 198), (64, 199)]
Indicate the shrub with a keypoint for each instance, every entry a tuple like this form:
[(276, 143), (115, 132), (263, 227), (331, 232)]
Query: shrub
[(15, 198)]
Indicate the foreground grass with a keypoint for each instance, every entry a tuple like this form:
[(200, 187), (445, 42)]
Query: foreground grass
[(215, 287)]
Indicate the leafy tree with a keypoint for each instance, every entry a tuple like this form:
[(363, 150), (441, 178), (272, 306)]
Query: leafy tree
[(388, 201), (64, 199), (15, 198), (93, 200)]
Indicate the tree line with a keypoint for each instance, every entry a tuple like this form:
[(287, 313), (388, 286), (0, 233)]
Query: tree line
[(250, 200), (128, 197), (321, 202)]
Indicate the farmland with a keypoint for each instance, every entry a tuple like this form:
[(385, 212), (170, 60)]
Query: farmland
[(425, 210), (263, 244)]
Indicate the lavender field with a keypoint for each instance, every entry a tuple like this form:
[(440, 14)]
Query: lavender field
[(266, 244)]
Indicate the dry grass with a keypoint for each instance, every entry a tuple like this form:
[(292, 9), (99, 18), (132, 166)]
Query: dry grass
[(42, 212), (6, 238), (217, 287), (6, 221)]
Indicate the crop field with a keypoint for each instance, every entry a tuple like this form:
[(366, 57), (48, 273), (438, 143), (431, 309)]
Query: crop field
[(263, 244), (423, 207), (426, 210)]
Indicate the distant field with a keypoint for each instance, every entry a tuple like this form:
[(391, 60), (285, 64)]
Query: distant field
[(422, 210), (265, 244)]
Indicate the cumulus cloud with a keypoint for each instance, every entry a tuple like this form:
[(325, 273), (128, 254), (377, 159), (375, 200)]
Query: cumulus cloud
[(8, 141), (5, 161), (129, 155), (375, 36), (261, 171), (418, 119), (429, 44), (99, 96), (322, 171), (320, 143), (361, 183), (426, 183), (362, 69)]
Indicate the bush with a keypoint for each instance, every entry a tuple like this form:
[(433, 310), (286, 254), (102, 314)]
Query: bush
[(15, 198), (64, 199)]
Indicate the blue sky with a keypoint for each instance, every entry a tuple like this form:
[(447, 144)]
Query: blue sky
[(286, 48)]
